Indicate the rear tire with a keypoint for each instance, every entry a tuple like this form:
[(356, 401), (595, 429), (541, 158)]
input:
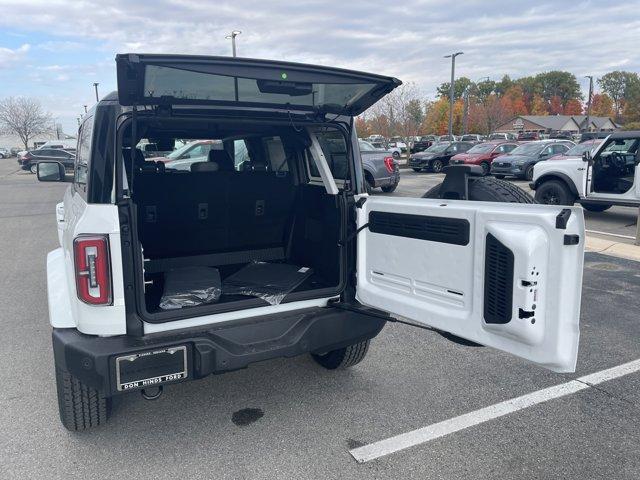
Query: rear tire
[(489, 189), (390, 188), (554, 192), (81, 407), (596, 207), (396, 155), (343, 357)]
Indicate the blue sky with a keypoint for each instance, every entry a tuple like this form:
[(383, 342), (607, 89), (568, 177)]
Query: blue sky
[(55, 50)]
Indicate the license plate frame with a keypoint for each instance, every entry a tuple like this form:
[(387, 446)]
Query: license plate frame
[(172, 374)]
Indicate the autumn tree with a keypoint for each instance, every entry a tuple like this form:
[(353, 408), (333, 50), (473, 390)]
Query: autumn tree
[(602, 105), (362, 127), (24, 117), (517, 104), (538, 106), (403, 110), (631, 111), (573, 107), (615, 84)]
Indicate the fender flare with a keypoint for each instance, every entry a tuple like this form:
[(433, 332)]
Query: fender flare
[(557, 176), (60, 314)]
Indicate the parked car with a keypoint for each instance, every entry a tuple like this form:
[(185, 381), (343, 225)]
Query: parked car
[(593, 135), (599, 179), (528, 136), (437, 156), (380, 168), (578, 149), (14, 151), (30, 159), (190, 153), (58, 144), (447, 138), (483, 154), (4, 152), (520, 162), (561, 135), (399, 143), (472, 137), (162, 278), (422, 143), (502, 136)]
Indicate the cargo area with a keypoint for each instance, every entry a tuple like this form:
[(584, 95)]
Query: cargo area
[(239, 219)]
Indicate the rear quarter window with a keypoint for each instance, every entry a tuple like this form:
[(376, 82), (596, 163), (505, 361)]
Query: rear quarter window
[(334, 148), (83, 154)]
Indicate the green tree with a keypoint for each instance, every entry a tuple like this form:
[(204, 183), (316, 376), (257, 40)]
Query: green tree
[(631, 111), (459, 86), (503, 85), (559, 84), (615, 84)]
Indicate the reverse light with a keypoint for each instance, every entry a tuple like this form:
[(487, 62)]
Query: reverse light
[(93, 269), (388, 162)]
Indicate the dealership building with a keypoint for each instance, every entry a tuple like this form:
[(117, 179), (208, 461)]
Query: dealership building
[(557, 123)]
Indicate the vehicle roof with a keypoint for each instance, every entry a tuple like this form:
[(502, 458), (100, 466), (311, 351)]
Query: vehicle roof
[(627, 134)]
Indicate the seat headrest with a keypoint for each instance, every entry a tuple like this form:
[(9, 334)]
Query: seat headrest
[(222, 158), (205, 167)]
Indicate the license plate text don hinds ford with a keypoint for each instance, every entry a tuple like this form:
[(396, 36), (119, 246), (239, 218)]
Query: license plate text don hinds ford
[(152, 367)]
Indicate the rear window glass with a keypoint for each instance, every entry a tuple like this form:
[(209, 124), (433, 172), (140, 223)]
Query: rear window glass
[(183, 84)]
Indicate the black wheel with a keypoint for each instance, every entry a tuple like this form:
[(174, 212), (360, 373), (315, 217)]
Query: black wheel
[(396, 155), (343, 357), (554, 192), (81, 407), (499, 177), (485, 168), (596, 207), (416, 169), (390, 188), (489, 189), (33, 168), (437, 166), (528, 173)]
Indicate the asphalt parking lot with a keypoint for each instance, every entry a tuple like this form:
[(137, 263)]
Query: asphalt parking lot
[(293, 419)]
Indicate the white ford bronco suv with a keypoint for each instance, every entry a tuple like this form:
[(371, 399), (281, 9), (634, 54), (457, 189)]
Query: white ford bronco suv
[(269, 246), (608, 176)]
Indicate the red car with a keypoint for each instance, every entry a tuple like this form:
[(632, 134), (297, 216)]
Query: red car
[(483, 154)]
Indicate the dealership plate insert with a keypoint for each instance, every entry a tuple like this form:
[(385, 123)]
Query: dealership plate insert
[(151, 368)]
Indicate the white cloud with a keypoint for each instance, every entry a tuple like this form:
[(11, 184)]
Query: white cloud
[(9, 56)]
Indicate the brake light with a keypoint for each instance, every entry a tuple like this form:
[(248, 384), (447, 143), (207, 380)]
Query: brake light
[(388, 162), (93, 269)]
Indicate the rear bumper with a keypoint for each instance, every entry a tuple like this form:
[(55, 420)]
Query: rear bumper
[(392, 179), (217, 349)]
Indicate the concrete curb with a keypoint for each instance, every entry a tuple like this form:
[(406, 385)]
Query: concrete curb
[(613, 248)]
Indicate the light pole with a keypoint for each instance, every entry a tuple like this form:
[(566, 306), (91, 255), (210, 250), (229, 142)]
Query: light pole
[(95, 85), (233, 36), (590, 77), (453, 74)]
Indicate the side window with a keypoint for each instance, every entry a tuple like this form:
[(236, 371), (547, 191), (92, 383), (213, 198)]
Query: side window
[(547, 151), (334, 148), (275, 153), (560, 148), (82, 156), (240, 154)]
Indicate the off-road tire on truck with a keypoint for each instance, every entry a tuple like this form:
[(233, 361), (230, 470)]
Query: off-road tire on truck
[(489, 189), (484, 189), (343, 357), (81, 407), (554, 192)]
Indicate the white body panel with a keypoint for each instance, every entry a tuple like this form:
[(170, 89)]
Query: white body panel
[(441, 284)]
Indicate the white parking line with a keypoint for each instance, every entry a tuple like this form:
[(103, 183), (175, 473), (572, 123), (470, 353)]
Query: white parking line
[(437, 430)]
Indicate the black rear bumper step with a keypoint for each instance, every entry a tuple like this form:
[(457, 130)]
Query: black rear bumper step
[(217, 349)]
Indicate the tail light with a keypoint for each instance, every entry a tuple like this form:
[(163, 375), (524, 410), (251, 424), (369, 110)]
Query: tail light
[(93, 269), (388, 162)]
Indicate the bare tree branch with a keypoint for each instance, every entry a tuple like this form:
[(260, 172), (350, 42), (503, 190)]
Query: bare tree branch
[(24, 117)]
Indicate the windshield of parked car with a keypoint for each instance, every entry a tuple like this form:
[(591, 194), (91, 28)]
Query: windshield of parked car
[(527, 149), (482, 148), (580, 148), (177, 153), (366, 146), (437, 148)]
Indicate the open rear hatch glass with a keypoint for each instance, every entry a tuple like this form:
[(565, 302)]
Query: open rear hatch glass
[(149, 79)]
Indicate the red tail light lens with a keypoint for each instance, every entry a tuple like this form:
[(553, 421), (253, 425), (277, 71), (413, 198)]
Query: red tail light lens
[(93, 269), (388, 162)]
